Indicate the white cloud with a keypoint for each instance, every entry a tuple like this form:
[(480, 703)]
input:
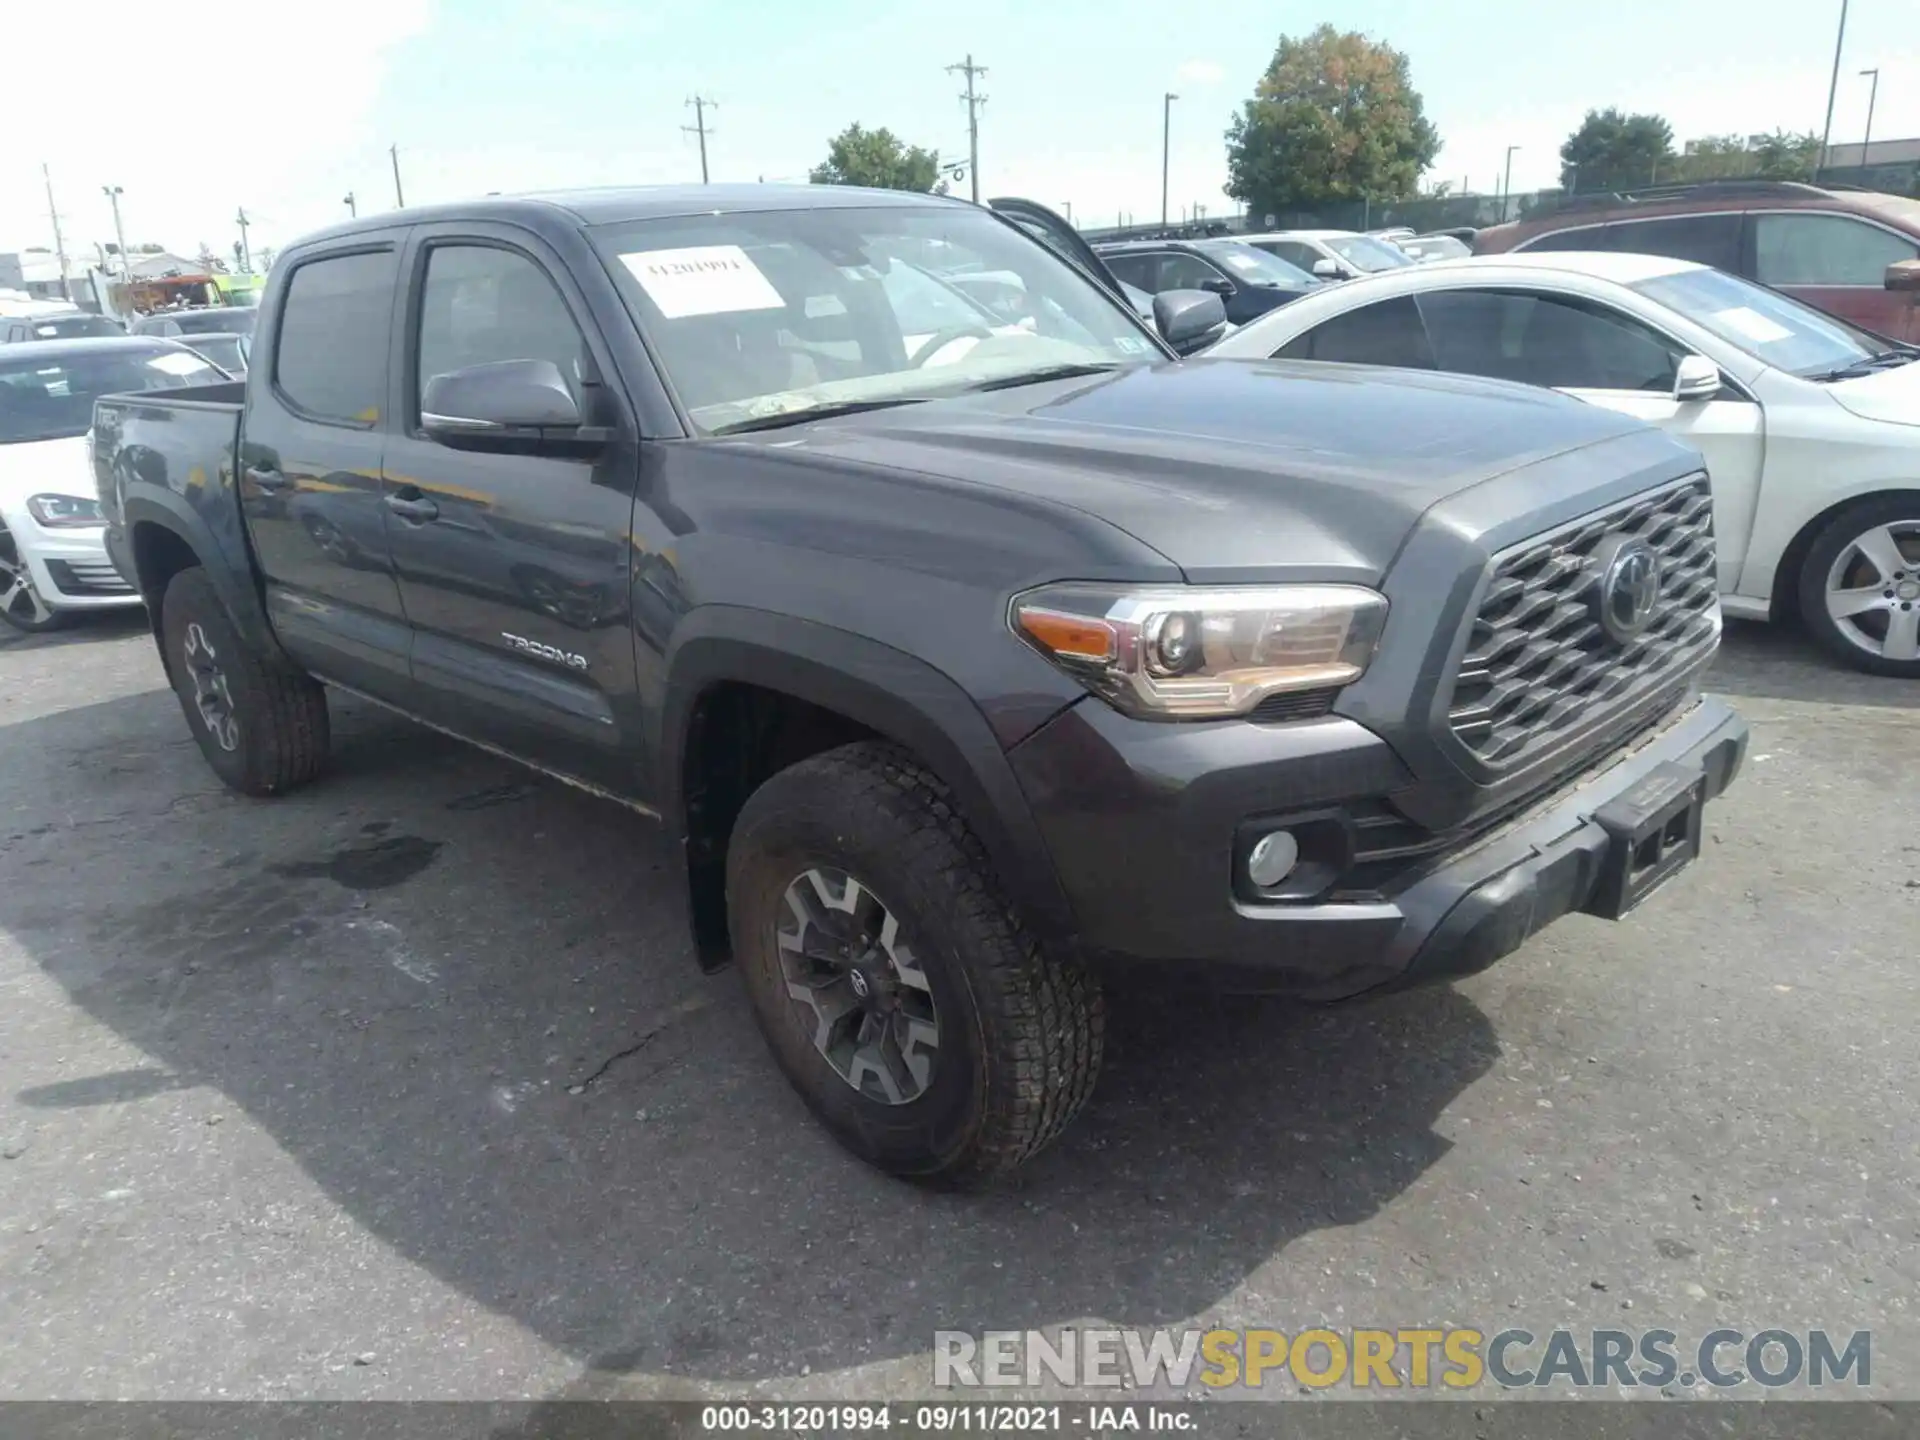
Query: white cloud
[(1199, 72), (295, 94)]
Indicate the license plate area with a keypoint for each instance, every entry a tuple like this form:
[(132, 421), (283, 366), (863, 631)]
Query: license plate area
[(1653, 832)]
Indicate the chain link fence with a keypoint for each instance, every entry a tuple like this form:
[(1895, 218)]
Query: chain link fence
[(1452, 212)]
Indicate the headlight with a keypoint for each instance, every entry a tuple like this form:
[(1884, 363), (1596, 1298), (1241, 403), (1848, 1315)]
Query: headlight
[(1192, 652), (65, 512)]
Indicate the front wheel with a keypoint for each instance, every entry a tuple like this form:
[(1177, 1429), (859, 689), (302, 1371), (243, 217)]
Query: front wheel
[(1860, 586), (897, 989), (21, 605), (260, 725)]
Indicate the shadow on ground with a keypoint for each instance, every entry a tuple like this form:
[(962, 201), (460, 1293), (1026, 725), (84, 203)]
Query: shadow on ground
[(1779, 662), (495, 1054), (85, 627)]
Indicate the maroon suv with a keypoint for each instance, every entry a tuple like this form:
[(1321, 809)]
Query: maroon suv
[(1830, 248)]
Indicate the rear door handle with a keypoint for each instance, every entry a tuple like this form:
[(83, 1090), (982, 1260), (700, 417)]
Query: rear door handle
[(416, 508), (266, 478)]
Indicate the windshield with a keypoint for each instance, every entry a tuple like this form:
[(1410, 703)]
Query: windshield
[(73, 327), (1762, 322), (49, 398), (226, 351), (1257, 266), (1435, 247), (1363, 252), (782, 312)]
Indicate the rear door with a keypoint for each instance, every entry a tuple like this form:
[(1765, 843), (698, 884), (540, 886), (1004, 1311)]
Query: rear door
[(1602, 355), (312, 442), (1837, 263), (514, 568), (1058, 234)]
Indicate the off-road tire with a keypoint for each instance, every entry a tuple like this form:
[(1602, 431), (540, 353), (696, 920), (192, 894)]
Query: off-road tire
[(281, 713), (1021, 1031)]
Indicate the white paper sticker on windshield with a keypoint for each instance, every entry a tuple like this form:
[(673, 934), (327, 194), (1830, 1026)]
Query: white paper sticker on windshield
[(176, 364), (1752, 324), (702, 280)]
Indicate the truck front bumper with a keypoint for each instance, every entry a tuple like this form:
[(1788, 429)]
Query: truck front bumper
[(1146, 824)]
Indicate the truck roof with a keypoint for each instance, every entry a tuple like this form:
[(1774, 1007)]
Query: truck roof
[(619, 204)]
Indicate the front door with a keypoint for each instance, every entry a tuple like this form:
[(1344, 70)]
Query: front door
[(514, 568), (313, 438)]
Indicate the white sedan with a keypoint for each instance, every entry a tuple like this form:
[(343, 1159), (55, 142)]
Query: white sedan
[(53, 554), (1810, 428)]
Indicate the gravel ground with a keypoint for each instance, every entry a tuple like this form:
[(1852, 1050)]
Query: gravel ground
[(407, 1087)]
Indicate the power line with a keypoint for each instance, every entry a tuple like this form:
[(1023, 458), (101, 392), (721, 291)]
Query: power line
[(974, 102), (699, 127)]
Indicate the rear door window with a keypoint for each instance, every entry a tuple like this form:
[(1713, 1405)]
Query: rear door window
[(330, 355), (1388, 333), (1825, 250), (1547, 340), (1704, 239)]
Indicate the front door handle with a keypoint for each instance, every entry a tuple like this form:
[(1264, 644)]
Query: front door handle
[(415, 507), (265, 477)]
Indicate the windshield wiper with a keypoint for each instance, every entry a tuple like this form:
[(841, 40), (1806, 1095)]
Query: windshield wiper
[(1882, 360), (815, 412), (1051, 372)]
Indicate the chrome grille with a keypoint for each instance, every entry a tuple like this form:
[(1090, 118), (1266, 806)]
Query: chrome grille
[(1537, 662)]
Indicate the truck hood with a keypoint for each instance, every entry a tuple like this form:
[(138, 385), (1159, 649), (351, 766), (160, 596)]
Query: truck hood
[(1890, 395), (42, 467), (1232, 468)]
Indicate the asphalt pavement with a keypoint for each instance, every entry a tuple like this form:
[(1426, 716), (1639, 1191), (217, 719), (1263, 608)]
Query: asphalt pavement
[(406, 1086)]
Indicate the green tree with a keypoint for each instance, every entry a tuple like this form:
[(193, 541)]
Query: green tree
[(1784, 155), (1612, 151), (877, 158), (1335, 117)]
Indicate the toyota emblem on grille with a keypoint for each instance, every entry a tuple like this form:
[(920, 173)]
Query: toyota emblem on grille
[(1629, 590)]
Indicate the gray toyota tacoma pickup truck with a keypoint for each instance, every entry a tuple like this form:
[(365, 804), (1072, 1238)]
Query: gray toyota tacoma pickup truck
[(969, 654)]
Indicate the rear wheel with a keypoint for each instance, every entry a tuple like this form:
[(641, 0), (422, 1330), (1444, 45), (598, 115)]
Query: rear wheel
[(21, 605), (1860, 586), (896, 987), (261, 725)]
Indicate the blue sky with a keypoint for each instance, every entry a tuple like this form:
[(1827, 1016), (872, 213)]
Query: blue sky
[(514, 94)]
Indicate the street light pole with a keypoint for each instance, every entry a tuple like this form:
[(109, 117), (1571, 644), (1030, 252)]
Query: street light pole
[(1872, 95), (1506, 185), (1166, 148), (113, 193), (352, 208), (1833, 88)]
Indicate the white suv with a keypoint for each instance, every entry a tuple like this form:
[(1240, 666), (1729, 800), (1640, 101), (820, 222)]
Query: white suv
[(1810, 427)]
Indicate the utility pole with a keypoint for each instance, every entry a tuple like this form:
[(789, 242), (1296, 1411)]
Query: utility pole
[(59, 245), (1166, 147), (1833, 88), (399, 200), (1865, 140), (974, 102), (246, 255), (113, 193), (699, 127), (352, 209), (1506, 185), (1068, 205)]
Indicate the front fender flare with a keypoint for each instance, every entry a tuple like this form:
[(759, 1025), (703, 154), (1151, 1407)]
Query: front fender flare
[(888, 691)]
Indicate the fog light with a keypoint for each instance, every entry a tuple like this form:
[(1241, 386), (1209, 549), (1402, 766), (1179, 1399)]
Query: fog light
[(1272, 859)]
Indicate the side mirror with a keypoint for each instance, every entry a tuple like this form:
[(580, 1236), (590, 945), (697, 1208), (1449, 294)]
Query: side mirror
[(504, 404), (1904, 275), (1184, 317), (1329, 269), (1218, 285), (1696, 378)]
